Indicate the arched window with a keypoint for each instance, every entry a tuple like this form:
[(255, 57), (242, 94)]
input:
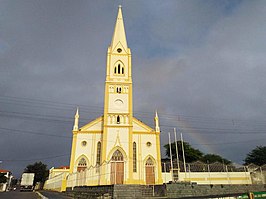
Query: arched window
[(149, 162), (118, 119), (118, 71), (82, 165), (117, 156), (134, 157), (119, 68), (118, 89), (98, 157)]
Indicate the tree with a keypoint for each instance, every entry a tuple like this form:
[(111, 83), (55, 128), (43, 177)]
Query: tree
[(211, 158), (40, 170), (256, 156), (3, 178), (191, 154)]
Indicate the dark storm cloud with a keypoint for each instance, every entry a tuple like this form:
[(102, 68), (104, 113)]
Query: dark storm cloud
[(201, 60), (219, 76)]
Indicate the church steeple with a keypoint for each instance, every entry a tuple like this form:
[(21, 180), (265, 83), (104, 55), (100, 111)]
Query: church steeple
[(119, 37), (118, 85)]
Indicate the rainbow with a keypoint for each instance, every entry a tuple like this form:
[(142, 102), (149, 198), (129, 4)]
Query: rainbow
[(190, 135)]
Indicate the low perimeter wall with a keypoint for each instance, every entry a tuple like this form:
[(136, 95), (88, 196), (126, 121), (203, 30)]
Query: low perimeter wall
[(117, 191), (183, 190), (178, 190)]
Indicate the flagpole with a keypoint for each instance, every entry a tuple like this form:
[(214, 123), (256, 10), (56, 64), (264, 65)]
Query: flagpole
[(170, 148), (183, 151), (176, 148)]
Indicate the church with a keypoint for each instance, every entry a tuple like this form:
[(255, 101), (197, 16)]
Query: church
[(117, 148)]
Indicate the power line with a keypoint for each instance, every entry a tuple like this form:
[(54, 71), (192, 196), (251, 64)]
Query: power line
[(204, 130), (174, 118), (178, 117), (33, 133), (236, 142), (64, 155), (201, 130), (70, 137), (35, 159), (55, 118)]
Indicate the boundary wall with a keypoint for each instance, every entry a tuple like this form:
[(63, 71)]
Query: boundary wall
[(175, 190)]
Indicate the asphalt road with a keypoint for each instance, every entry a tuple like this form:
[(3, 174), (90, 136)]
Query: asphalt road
[(31, 195), (54, 195), (18, 195)]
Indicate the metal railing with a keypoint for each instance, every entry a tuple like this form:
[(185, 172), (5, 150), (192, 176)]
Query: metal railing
[(252, 173)]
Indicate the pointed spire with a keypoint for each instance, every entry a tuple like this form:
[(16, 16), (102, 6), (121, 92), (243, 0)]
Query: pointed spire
[(77, 112), (76, 122), (156, 119), (156, 114), (119, 35)]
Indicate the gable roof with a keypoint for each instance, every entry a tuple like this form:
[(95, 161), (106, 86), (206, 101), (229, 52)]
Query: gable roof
[(140, 126), (94, 125), (97, 125)]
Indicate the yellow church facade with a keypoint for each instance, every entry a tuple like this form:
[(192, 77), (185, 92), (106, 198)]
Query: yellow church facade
[(116, 148)]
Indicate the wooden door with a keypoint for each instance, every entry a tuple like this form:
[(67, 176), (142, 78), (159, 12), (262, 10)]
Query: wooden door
[(150, 177), (113, 172), (117, 172), (117, 168)]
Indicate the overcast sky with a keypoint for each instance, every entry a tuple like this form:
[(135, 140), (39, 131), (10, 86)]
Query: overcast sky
[(201, 64)]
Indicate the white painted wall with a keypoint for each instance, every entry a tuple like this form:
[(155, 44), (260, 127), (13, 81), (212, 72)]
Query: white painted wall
[(211, 178), (90, 150)]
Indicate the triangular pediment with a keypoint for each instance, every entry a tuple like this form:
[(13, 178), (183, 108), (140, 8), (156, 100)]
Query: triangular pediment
[(119, 45), (139, 126), (95, 125)]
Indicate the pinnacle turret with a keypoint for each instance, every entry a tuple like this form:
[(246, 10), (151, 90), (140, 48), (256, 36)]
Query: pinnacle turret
[(156, 119), (76, 122)]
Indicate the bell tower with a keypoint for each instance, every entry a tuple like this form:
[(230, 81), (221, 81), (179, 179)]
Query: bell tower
[(118, 112), (118, 84)]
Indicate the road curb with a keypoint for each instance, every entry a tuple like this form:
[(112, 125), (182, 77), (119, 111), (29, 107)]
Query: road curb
[(42, 196)]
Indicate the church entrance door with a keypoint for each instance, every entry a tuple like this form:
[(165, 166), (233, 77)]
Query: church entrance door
[(150, 175), (117, 168)]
